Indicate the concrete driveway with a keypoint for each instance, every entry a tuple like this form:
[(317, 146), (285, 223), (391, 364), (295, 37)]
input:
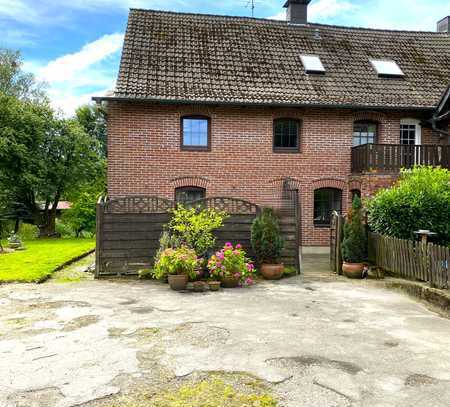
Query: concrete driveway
[(311, 341)]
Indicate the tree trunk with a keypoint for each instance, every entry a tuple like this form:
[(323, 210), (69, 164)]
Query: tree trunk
[(16, 226), (47, 229), (48, 226)]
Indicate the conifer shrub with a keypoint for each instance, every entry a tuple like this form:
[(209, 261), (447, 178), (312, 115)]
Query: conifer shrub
[(354, 243), (266, 238)]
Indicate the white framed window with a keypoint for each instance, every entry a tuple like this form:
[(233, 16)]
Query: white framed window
[(387, 68), (312, 64), (410, 132)]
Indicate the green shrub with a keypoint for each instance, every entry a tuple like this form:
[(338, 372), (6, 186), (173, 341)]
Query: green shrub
[(266, 238), (145, 274), (420, 200), (354, 243), (64, 229), (289, 271), (81, 217), (194, 227), (28, 231)]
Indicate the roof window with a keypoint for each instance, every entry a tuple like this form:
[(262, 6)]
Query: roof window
[(312, 64), (387, 68)]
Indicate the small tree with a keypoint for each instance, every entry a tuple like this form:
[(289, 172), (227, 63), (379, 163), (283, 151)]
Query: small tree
[(354, 244), (194, 227), (266, 238)]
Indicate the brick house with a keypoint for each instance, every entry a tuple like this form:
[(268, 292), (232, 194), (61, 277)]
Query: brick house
[(210, 105)]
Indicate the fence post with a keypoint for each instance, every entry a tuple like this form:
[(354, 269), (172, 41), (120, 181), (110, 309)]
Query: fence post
[(426, 252), (99, 236)]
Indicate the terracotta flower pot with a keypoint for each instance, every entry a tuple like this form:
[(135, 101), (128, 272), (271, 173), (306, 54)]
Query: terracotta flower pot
[(230, 282), (214, 285), (272, 271), (199, 286), (178, 282), (353, 270)]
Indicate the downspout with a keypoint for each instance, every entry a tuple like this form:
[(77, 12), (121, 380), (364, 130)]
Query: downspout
[(438, 116), (434, 121)]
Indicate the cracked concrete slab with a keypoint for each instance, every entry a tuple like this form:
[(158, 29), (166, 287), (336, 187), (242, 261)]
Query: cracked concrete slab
[(315, 342)]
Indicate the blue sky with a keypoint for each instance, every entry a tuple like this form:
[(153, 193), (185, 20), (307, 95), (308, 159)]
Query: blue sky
[(74, 45)]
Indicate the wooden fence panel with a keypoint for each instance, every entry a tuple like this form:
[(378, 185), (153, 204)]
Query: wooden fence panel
[(411, 260), (128, 230)]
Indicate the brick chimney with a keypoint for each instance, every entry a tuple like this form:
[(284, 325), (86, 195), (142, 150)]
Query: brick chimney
[(443, 26), (297, 11)]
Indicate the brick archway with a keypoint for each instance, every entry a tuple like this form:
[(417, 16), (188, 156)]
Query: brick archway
[(377, 117), (369, 115), (354, 184), (329, 183), (201, 182), (336, 183)]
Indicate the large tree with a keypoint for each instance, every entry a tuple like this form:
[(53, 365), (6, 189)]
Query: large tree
[(14, 81), (93, 120), (43, 158)]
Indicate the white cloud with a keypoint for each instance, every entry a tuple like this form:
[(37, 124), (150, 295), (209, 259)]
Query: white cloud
[(18, 10), (404, 14), (74, 78), (328, 8), (67, 67), (321, 9), (279, 16), (67, 102)]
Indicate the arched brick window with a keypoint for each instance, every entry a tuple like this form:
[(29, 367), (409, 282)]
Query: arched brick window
[(365, 132), (188, 194), (326, 200)]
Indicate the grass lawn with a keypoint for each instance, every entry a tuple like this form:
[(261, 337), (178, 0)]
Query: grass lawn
[(41, 258)]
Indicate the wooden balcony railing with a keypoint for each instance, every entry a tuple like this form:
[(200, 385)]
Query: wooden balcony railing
[(393, 157)]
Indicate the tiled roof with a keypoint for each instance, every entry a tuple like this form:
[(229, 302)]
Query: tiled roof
[(204, 58)]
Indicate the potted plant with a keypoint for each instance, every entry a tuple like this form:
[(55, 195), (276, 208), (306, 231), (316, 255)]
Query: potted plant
[(214, 285), (231, 266), (354, 243), (199, 286), (14, 241), (268, 244), (179, 265)]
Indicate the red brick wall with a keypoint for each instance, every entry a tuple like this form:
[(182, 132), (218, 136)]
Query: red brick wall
[(144, 154)]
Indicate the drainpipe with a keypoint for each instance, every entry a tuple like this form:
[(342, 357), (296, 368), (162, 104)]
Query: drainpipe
[(434, 122)]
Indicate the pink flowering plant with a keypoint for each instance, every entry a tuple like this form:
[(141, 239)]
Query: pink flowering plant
[(232, 261)]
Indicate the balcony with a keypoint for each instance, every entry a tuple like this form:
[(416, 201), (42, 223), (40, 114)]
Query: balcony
[(392, 157)]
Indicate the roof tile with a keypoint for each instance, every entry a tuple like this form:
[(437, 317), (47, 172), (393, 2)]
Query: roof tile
[(203, 58)]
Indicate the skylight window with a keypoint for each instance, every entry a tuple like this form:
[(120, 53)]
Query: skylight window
[(312, 64), (387, 68)]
